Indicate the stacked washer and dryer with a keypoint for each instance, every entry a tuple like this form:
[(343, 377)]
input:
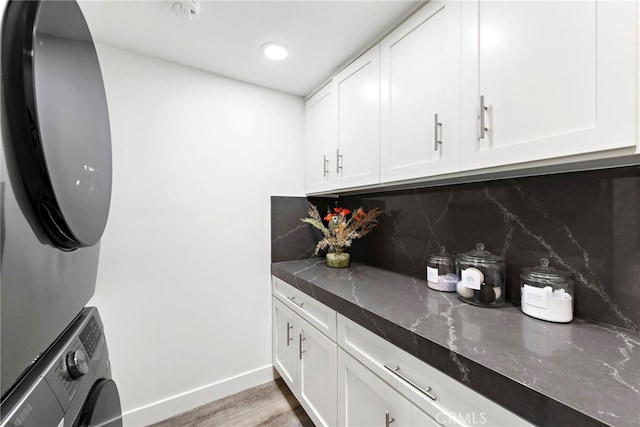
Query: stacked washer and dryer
[(55, 192)]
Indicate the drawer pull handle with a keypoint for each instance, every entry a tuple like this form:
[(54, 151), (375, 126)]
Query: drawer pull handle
[(300, 349), (293, 300), (411, 383), (437, 128), (388, 420), (483, 127), (289, 338)]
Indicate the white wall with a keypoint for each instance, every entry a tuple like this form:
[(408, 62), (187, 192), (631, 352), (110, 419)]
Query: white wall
[(184, 278)]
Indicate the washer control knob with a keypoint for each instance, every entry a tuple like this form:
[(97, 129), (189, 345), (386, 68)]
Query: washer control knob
[(77, 363)]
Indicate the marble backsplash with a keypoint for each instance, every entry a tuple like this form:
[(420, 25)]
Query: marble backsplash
[(587, 223)]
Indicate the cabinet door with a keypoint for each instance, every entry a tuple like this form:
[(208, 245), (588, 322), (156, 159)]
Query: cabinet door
[(365, 400), (357, 96), (285, 355), (420, 90), (318, 364), (558, 78), (320, 139)]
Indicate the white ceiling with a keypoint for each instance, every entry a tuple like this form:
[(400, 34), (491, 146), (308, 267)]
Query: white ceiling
[(226, 36)]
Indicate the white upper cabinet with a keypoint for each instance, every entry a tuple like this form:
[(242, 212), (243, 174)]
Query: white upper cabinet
[(419, 97), (320, 139), (357, 97), (546, 79), (465, 85)]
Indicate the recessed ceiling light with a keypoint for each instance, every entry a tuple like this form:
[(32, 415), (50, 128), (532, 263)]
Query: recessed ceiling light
[(275, 51)]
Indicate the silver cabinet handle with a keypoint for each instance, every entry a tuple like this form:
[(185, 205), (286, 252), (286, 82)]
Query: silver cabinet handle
[(388, 420), (293, 300), (289, 338), (483, 128), (325, 166), (338, 161), (437, 127), (411, 383), (300, 347)]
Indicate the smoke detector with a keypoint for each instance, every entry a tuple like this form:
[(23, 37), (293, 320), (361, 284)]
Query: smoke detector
[(184, 8)]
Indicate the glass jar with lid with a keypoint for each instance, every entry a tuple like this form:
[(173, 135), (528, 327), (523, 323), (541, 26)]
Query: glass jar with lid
[(547, 293), (441, 271), (481, 277)]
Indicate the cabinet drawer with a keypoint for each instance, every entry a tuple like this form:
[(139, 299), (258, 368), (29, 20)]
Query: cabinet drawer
[(433, 392), (313, 311)]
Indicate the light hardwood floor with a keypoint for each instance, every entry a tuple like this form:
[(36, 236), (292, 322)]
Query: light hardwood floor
[(270, 404)]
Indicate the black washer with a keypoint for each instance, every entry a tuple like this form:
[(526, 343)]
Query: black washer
[(102, 407), (49, 395)]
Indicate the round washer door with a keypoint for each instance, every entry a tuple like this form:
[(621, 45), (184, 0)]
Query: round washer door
[(58, 119), (102, 407)]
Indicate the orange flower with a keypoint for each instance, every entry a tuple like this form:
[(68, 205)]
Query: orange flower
[(359, 215), (329, 217), (342, 211)]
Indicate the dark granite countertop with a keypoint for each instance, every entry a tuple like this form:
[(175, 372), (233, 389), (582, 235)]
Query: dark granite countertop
[(575, 374)]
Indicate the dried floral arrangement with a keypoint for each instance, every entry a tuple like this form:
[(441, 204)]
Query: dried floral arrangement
[(342, 229)]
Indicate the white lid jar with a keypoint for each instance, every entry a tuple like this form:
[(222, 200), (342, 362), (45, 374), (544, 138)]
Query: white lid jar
[(481, 277), (547, 293), (441, 271)]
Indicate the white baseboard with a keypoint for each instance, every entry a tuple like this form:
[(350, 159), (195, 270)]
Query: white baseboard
[(177, 404)]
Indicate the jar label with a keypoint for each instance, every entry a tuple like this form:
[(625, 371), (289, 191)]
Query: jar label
[(432, 274), (534, 296), (471, 278)]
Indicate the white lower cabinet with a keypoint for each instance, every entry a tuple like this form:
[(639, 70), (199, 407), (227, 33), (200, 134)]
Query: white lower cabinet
[(318, 364), (365, 400), (433, 397), (285, 357), (419, 418), (310, 309), (307, 361), (344, 375)]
